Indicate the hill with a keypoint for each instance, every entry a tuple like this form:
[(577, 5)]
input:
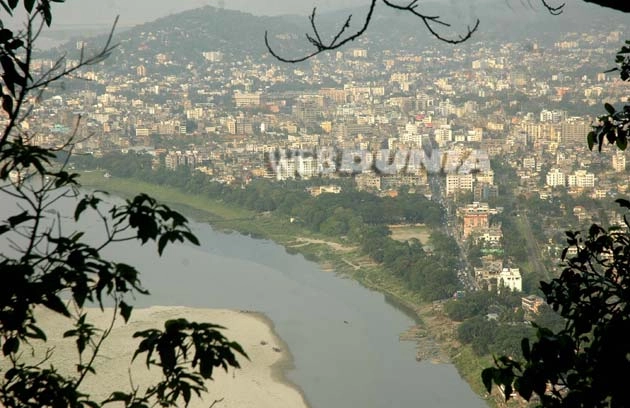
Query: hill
[(181, 38)]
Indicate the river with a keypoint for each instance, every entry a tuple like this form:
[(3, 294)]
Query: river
[(343, 337)]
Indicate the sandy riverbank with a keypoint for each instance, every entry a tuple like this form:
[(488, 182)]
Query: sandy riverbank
[(260, 383)]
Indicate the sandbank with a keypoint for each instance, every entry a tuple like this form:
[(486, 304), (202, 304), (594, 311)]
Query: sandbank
[(260, 383)]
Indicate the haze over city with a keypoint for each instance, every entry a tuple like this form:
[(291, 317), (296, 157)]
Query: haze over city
[(372, 219)]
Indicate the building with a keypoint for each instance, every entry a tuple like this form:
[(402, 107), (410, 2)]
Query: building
[(581, 179), (574, 131), (619, 161), (329, 189), (475, 217), (443, 135), (307, 167), (247, 99), (458, 182), (510, 278), (367, 181), (286, 168), (555, 178)]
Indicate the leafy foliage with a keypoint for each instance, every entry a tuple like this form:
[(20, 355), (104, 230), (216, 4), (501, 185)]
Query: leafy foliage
[(580, 364), (615, 124), (49, 265)]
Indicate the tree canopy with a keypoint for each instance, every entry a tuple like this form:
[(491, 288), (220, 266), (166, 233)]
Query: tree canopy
[(49, 263), (584, 363)]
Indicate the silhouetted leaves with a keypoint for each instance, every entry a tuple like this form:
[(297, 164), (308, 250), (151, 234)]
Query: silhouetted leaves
[(51, 266), (579, 365), (614, 126), (181, 343)]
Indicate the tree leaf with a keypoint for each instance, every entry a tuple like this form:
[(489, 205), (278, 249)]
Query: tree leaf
[(7, 104), (28, 5), (622, 142), (10, 346), (486, 376), (125, 310), (590, 138), (55, 304), (623, 203)]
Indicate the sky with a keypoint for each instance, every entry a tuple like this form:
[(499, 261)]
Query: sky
[(88, 12)]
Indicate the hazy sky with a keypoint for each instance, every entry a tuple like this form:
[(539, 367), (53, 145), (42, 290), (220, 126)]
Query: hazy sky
[(139, 11), (132, 12)]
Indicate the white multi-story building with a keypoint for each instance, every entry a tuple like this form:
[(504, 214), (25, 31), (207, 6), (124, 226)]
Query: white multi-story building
[(556, 178), (510, 278), (581, 179), (458, 182), (307, 167), (443, 135), (619, 161), (475, 135), (285, 168)]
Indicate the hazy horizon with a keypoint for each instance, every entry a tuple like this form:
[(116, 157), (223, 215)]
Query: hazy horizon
[(96, 12), (103, 12)]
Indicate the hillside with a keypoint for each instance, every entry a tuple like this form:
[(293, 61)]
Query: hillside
[(184, 36)]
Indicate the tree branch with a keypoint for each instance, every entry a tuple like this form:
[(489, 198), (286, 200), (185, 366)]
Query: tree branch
[(429, 20), (318, 44), (557, 10), (339, 40)]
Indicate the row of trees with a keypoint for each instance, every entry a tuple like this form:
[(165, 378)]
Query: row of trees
[(353, 216), (569, 367)]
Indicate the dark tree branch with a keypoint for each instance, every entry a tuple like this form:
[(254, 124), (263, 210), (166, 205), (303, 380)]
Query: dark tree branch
[(429, 20), (339, 40), (216, 402), (318, 44), (557, 10)]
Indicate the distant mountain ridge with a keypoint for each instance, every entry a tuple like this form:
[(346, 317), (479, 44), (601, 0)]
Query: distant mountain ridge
[(239, 35)]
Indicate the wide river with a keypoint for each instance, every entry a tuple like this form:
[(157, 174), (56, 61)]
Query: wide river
[(343, 337)]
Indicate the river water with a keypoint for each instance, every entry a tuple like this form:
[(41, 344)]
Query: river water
[(343, 337)]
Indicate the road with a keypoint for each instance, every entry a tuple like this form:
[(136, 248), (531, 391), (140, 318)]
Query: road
[(531, 244)]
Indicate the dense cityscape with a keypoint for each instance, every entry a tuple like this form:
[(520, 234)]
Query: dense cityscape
[(482, 147)]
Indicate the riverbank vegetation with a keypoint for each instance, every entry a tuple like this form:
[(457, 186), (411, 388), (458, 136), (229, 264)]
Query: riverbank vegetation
[(350, 233), (352, 218)]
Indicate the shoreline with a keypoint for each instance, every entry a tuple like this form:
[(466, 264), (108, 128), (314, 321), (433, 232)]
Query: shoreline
[(319, 253), (280, 368), (261, 381)]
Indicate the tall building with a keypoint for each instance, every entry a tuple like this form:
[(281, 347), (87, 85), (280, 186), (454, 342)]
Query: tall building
[(458, 182), (574, 131), (619, 161), (555, 178), (581, 179), (443, 135)]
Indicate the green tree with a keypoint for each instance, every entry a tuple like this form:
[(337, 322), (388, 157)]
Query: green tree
[(614, 125), (48, 263), (583, 363), (479, 332)]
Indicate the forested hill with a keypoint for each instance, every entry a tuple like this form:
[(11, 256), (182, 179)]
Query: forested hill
[(184, 36)]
